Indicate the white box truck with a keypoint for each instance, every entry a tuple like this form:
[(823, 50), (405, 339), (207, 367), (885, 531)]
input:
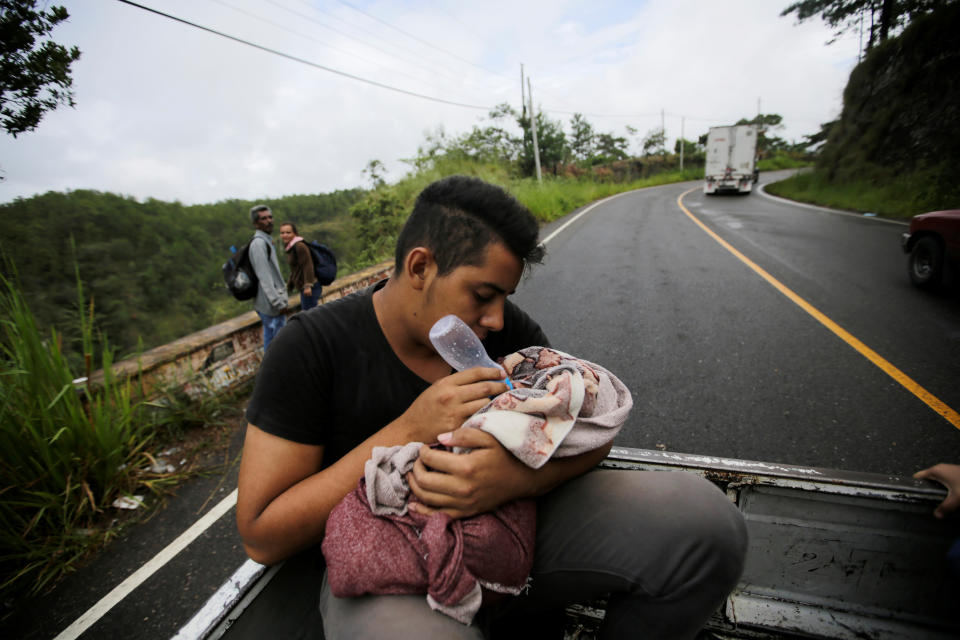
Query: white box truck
[(731, 159)]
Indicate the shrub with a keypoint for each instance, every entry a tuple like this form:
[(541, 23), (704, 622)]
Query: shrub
[(67, 451)]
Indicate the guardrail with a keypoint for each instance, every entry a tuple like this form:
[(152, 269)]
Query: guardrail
[(225, 355)]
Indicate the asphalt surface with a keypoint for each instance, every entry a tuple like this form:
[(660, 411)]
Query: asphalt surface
[(719, 362)]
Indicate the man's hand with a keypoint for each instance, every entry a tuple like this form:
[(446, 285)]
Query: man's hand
[(449, 402), (463, 485), (949, 476)]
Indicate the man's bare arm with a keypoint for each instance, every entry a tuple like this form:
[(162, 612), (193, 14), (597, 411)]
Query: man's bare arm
[(284, 498)]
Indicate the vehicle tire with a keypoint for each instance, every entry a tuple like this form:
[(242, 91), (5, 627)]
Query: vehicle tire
[(925, 263)]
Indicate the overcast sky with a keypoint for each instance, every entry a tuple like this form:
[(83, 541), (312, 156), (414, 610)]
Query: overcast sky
[(168, 111)]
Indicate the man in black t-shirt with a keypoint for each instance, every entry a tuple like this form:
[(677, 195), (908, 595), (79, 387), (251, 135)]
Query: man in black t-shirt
[(360, 372)]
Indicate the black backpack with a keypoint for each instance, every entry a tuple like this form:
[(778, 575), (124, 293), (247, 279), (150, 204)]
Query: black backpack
[(238, 273), (324, 262)]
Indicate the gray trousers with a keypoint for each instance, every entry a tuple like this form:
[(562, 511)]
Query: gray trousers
[(665, 547)]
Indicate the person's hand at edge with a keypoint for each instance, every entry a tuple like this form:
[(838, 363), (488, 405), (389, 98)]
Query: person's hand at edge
[(949, 476)]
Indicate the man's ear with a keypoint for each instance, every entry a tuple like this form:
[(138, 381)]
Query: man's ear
[(419, 266)]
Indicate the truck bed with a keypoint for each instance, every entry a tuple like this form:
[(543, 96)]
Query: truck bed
[(832, 554)]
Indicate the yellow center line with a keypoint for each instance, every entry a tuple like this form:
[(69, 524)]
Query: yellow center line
[(906, 381)]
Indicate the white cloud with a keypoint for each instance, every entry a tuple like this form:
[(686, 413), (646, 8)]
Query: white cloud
[(168, 111)]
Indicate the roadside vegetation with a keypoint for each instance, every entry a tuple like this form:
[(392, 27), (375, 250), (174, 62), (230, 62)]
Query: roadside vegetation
[(895, 148), (896, 197), (69, 452), (579, 165)]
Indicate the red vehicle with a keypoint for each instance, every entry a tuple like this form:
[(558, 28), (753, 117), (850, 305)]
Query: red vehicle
[(933, 245)]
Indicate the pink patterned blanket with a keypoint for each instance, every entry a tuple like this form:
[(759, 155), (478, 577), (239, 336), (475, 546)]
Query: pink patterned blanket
[(560, 406)]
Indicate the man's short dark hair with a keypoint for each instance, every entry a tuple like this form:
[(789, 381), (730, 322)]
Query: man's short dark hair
[(458, 216), (255, 212)]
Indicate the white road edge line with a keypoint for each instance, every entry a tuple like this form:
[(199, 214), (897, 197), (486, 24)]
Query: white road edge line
[(138, 577), (577, 217), (763, 192)]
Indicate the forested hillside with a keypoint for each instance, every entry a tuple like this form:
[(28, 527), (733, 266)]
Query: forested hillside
[(896, 146), (151, 269), (901, 110)]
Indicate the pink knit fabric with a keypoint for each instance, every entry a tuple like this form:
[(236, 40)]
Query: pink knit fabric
[(373, 545), (449, 560)]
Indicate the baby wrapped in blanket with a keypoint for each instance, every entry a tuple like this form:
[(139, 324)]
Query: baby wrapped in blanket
[(373, 544)]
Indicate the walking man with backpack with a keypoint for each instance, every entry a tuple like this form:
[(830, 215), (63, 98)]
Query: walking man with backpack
[(271, 301)]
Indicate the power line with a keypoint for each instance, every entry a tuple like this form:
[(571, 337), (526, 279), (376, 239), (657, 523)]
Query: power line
[(391, 54), (308, 37), (422, 41), (604, 115), (306, 62), (407, 50), (374, 82)]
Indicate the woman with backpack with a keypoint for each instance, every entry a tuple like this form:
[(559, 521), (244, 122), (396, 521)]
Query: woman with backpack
[(303, 277)]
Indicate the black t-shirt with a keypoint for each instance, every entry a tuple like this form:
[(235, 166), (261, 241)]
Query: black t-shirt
[(331, 378)]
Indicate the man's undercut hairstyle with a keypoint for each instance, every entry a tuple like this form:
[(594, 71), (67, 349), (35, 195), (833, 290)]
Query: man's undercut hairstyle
[(255, 212), (458, 216)]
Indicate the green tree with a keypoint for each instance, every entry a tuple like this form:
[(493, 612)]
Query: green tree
[(551, 142), (490, 143), (374, 171), (818, 138), (494, 142), (689, 146), (767, 122), (883, 17), (610, 147), (655, 142), (378, 218), (581, 137), (34, 71)]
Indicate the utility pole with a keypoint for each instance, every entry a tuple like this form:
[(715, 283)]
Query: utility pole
[(682, 118), (533, 129), (663, 133), (523, 95), (761, 128)]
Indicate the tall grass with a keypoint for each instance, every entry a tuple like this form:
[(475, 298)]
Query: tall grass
[(66, 450), (556, 197), (895, 196), (784, 161), (383, 211)]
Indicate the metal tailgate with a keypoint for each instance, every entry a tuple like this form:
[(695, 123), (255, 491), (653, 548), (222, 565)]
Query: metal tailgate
[(832, 554)]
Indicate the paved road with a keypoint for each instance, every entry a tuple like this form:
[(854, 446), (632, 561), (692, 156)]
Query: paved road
[(719, 361)]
